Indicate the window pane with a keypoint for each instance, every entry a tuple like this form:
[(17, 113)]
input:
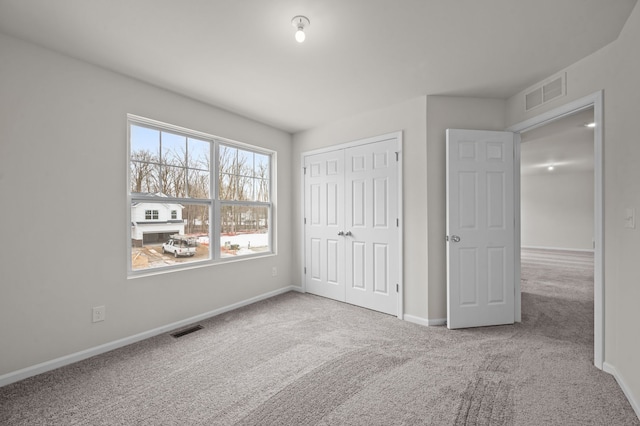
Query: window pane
[(143, 177), (174, 149), (244, 230), (226, 187), (199, 184), (167, 241), (262, 190), (145, 143), (245, 189), (198, 154), (245, 163), (261, 167), (174, 181), (227, 159)]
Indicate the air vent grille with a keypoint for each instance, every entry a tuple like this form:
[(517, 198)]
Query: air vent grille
[(533, 98), (186, 331), (545, 92)]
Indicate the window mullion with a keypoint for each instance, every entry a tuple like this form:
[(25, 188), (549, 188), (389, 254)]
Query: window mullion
[(215, 193)]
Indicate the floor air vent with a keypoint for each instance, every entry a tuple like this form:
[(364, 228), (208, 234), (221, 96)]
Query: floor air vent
[(186, 331)]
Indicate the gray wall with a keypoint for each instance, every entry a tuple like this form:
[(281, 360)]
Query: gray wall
[(63, 168), (445, 112), (557, 210)]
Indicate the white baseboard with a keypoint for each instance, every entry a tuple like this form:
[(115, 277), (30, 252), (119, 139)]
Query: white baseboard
[(43, 367), (627, 392), (557, 248), (424, 321)]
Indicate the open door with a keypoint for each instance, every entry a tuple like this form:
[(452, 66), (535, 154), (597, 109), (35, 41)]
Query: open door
[(480, 228)]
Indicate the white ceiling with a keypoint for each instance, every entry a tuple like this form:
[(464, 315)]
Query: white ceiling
[(359, 55), (565, 144)]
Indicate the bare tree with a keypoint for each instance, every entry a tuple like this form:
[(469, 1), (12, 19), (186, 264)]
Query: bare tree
[(144, 171)]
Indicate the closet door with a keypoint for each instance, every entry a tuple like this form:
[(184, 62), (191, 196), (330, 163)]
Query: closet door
[(371, 230), (324, 224)]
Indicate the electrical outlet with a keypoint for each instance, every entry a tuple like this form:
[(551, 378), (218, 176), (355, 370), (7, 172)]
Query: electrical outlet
[(99, 313), (630, 218), (274, 271)]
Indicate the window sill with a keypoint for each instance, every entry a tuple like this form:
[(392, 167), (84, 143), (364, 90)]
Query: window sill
[(195, 265)]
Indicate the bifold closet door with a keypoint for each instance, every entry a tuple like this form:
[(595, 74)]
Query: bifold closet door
[(351, 225), (324, 220), (371, 215)]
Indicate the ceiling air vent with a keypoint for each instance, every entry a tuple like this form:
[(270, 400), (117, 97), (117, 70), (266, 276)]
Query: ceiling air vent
[(545, 92)]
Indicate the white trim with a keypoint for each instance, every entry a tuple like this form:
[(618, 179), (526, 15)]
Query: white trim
[(303, 271), (517, 261), (400, 212), (557, 249), (359, 142), (595, 101), (387, 136), (43, 367), (425, 321), (608, 368)]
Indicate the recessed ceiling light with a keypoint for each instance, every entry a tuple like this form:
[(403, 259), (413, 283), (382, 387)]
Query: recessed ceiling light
[(550, 168), (590, 125)]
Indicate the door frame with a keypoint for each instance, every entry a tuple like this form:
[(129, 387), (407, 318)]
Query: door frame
[(595, 101), (393, 135)]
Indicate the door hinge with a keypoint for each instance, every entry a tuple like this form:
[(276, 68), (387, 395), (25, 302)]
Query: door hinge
[(304, 170), (398, 222), (305, 220), (305, 270), (397, 288), (397, 156)]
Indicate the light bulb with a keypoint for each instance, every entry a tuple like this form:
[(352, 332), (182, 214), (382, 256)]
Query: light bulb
[(300, 36), (550, 168)]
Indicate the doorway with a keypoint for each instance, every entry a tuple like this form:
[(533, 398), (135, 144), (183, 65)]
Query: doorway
[(594, 101), (556, 185)]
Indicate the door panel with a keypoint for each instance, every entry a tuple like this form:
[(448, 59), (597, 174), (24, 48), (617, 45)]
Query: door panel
[(324, 215), (371, 203), (480, 228)]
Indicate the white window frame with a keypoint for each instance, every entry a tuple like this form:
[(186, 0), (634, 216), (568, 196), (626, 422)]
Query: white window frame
[(214, 203)]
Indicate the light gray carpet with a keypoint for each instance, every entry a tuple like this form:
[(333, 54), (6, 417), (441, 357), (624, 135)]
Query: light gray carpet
[(303, 360)]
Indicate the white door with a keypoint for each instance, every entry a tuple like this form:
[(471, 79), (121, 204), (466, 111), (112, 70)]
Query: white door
[(371, 233), (480, 228), (352, 233), (324, 224)]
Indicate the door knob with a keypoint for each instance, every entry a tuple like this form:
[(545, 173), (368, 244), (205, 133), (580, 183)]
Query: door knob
[(340, 233), (348, 233), (455, 238)]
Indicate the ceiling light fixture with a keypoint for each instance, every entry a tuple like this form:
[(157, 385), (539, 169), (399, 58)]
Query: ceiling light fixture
[(550, 168), (590, 125), (299, 22)]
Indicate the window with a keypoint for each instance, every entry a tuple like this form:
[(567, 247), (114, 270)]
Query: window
[(211, 194)]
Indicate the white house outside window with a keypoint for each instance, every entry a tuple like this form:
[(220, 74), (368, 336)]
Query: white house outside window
[(187, 208)]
